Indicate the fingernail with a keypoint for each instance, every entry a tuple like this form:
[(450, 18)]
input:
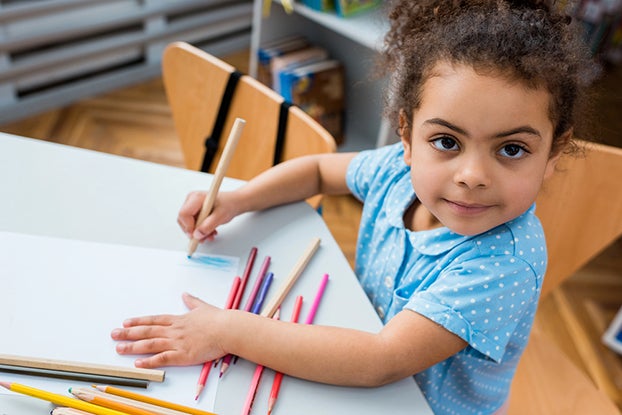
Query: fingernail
[(115, 333), (198, 235)]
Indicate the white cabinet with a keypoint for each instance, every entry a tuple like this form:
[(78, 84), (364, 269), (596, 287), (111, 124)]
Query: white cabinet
[(355, 41), (54, 52)]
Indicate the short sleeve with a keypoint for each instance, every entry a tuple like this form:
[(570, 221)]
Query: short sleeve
[(365, 167), (480, 300)]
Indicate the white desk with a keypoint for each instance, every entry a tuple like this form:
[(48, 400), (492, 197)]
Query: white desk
[(54, 190)]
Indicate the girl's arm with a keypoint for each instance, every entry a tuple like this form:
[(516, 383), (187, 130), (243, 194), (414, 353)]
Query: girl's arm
[(291, 181), (408, 344)]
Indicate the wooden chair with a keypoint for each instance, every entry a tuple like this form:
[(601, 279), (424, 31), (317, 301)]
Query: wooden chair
[(195, 83), (580, 207)]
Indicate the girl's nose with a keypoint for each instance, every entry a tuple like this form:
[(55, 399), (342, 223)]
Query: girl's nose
[(472, 172)]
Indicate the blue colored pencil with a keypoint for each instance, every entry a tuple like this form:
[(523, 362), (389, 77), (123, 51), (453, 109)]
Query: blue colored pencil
[(265, 286)]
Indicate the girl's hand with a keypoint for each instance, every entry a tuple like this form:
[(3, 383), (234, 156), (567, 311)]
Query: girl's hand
[(172, 340), (223, 211)]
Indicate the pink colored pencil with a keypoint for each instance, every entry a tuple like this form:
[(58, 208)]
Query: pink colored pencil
[(317, 299), (278, 377), (208, 365), (252, 390)]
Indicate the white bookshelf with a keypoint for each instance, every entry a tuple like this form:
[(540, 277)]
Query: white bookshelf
[(355, 41)]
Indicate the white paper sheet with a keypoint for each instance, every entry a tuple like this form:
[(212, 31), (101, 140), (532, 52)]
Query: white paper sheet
[(60, 299)]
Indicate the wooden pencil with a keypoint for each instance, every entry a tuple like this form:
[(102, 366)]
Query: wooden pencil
[(82, 367), (148, 399), (219, 174), (274, 303)]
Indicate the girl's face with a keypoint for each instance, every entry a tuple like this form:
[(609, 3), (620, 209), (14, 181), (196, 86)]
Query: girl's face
[(479, 148)]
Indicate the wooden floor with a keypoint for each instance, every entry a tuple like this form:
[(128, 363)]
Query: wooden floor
[(136, 122)]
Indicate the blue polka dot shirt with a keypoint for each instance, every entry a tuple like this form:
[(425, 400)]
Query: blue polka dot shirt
[(483, 288)]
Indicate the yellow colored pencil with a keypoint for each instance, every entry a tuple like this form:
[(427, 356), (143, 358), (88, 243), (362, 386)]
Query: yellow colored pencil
[(109, 403), (61, 400), (148, 399)]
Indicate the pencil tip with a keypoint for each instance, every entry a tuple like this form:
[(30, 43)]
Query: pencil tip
[(199, 390), (189, 256)]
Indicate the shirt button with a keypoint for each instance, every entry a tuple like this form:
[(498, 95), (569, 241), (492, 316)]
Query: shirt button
[(388, 282), (380, 311)]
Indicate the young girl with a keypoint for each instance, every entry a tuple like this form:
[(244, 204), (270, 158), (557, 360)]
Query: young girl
[(450, 251)]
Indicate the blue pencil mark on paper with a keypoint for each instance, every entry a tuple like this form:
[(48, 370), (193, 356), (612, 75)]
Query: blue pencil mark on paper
[(218, 262)]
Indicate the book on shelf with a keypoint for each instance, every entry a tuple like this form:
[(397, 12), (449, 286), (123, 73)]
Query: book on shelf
[(268, 51), (320, 5), (318, 89), (295, 59), (347, 8)]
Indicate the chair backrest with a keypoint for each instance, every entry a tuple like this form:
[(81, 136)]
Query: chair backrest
[(580, 207), (195, 82)]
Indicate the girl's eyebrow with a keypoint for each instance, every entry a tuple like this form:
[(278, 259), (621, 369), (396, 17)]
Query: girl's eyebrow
[(447, 124), (525, 129)]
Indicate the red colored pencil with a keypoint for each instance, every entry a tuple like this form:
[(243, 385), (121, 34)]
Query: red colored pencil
[(226, 361), (247, 272), (207, 366), (278, 376), (252, 390)]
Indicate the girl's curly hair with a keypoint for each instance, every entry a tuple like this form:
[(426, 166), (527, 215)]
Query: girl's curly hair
[(526, 41)]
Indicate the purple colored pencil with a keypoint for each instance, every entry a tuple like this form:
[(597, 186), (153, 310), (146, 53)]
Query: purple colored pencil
[(260, 276), (262, 293)]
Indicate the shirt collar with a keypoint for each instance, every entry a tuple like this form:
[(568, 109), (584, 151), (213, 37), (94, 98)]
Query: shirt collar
[(432, 242), (435, 241)]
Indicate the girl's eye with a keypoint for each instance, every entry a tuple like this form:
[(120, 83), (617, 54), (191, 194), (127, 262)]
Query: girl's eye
[(445, 144), (514, 151)]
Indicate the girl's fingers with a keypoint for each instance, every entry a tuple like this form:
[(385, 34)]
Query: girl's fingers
[(146, 346), (166, 358), (190, 209), (157, 320), (191, 301), (134, 333)]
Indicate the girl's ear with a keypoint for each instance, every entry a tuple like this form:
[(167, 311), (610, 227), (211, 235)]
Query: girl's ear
[(404, 133), (562, 142)]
